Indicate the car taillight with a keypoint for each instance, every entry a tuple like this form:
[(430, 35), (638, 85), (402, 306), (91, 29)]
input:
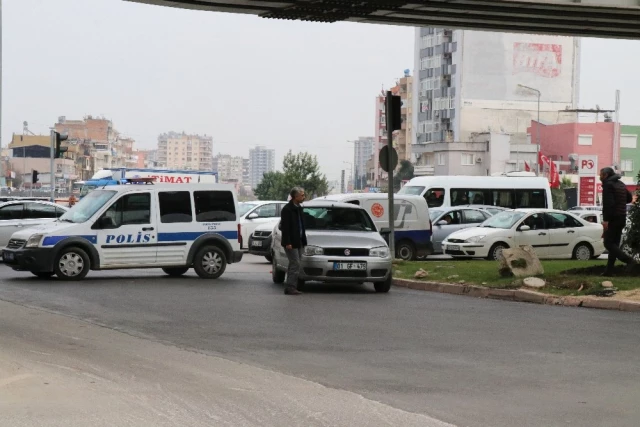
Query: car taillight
[(239, 235)]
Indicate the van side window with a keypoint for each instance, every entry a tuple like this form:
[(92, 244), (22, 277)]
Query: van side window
[(214, 206), (130, 209), (434, 197), (175, 207)]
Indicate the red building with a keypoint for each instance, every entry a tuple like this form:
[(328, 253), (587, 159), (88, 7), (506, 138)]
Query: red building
[(558, 141)]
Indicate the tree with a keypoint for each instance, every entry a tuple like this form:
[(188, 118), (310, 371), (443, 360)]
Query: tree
[(302, 170), (271, 187), (405, 172), (299, 170)]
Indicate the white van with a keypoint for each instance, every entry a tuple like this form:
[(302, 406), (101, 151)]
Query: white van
[(412, 234), (169, 226), (511, 192)]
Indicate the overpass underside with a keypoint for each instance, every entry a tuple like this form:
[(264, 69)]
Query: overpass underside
[(590, 18)]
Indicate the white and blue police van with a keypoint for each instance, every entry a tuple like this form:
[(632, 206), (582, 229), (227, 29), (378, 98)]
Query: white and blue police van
[(174, 227)]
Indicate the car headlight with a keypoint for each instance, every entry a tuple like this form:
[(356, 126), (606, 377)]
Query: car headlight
[(34, 241), (381, 252), (313, 250), (475, 239)]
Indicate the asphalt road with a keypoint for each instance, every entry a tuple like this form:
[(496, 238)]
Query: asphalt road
[(465, 361)]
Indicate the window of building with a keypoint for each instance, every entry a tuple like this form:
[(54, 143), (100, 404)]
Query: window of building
[(175, 206), (467, 159), (626, 165), (442, 158), (585, 139), (628, 141), (428, 160), (214, 206)]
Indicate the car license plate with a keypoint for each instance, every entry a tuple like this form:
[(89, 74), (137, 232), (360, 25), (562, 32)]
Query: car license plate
[(453, 247), (349, 265), (256, 243), (7, 256)]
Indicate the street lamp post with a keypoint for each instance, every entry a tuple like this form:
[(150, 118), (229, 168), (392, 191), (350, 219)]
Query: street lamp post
[(538, 93)]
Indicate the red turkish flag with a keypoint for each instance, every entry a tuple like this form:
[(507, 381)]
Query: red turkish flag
[(554, 176), (526, 167), (542, 159)]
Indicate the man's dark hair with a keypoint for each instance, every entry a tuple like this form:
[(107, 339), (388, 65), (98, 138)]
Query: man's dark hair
[(295, 191), (607, 171)]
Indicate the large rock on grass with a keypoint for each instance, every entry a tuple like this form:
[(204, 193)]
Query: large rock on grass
[(520, 262)]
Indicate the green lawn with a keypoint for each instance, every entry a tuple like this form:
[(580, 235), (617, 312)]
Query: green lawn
[(485, 273)]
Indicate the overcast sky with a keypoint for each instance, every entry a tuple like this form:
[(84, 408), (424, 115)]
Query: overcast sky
[(242, 79)]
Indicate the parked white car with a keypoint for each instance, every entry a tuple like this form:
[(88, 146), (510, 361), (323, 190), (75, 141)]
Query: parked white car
[(552, 233), (253, 214), (20, 214)]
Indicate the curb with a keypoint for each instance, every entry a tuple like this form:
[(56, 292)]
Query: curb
[(520, 295)]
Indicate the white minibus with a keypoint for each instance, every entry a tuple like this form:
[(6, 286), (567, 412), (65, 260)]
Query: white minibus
[(505, 191)]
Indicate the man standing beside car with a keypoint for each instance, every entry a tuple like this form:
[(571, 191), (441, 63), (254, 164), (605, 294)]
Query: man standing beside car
[(615, 197), (294, 238)]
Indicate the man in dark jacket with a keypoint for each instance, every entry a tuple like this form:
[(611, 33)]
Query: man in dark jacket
[(294, 238), (615, 197)]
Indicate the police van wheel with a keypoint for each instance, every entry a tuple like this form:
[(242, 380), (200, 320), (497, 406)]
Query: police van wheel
[(72, 264), (175, 271), (210, 262), (405, 251)]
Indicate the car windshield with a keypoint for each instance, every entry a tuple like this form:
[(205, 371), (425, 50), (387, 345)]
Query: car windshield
[(412, 190), (332, 218), (434, 213), (88, 206), (243, 208), (504, 220)]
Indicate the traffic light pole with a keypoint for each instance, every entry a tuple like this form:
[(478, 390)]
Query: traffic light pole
[(389, 118), (52, 166)]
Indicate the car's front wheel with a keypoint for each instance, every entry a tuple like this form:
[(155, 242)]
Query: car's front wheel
[(495, 253), (383, 287), (276, 275), (72, 264)]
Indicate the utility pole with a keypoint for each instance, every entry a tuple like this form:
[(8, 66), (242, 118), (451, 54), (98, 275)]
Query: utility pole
[(52, 166), (2, 172)]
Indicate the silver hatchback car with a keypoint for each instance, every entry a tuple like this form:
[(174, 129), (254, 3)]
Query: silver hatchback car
[(343, 246)]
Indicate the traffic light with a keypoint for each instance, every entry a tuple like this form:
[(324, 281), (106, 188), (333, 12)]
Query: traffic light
[(394, 112), (34, 177), (59, 148)]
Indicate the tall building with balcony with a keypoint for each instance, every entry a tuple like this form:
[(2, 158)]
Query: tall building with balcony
[(261, 161), (230, 168), (468, 82), (184, 151), (362, 152)]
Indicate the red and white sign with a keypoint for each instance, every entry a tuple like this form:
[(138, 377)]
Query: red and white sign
[(588, 186), (587, 191), (377, 210), (588, 165), (544, 60)]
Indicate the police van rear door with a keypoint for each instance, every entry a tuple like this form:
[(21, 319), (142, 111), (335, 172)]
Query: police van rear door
[(127, 232)]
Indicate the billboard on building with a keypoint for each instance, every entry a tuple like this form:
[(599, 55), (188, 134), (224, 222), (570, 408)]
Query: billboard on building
[(495, 64)]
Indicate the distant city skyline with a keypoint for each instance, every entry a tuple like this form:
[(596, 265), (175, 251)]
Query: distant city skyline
[(284, 85)]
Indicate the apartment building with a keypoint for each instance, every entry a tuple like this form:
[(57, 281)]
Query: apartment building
[(261, 161), (468, 82), (185, 151), (362, 152), (230, 168)]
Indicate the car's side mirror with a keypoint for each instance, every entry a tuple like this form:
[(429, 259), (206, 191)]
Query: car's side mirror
[(385, 233), (524, 228), (252, 216), (442, 222)]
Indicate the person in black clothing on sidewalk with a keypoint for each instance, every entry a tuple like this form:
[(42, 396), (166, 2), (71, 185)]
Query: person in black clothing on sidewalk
[(294, 238), (615, 197)]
